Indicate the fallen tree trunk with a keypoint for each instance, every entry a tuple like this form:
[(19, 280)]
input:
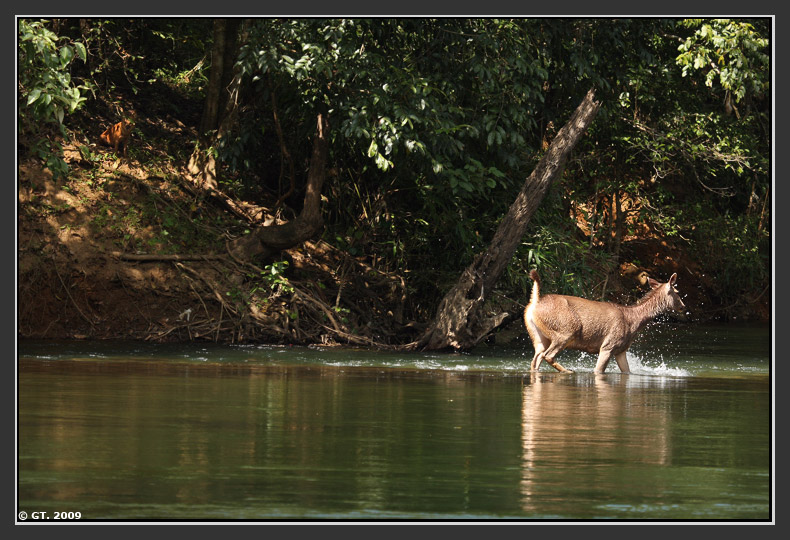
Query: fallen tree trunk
[(462, 319)]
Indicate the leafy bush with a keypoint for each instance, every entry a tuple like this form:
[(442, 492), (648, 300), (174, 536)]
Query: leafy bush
[(735, 251), (47, 92)]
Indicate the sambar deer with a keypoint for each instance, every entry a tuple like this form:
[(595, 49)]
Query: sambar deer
[(556, 322)]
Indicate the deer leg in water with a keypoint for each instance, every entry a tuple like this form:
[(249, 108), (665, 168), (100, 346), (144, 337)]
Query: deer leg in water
[(622, 362), (537, 359), (603, 359), (550, 353), (558, 366), (540, 347)]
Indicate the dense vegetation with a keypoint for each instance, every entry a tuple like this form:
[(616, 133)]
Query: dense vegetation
[(433, 126)]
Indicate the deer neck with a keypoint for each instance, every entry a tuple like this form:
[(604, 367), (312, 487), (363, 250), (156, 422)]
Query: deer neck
[(644, 311)]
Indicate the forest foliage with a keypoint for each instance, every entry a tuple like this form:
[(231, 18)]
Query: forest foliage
[(435, 124)]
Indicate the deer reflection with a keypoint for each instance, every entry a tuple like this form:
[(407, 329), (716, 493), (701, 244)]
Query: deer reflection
[(577, 429)]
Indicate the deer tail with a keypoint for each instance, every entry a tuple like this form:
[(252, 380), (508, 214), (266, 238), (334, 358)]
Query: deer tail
[(533, 299)]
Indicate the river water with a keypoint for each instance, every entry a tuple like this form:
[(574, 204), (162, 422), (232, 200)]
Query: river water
[(143, 432)]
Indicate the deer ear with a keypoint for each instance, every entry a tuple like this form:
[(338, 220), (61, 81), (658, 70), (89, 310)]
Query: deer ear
[(653, 283), (673, 279)]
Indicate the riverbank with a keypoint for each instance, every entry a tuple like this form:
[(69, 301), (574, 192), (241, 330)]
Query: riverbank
[(133, 248), (120, 249)]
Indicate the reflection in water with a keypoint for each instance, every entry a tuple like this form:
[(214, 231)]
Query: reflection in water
[(131, 438), (585, 425)]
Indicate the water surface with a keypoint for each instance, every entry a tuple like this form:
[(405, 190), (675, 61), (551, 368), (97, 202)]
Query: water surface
[(131, 431)]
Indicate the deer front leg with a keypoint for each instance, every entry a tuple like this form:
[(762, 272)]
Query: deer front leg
[(603, 359), (622, 362)]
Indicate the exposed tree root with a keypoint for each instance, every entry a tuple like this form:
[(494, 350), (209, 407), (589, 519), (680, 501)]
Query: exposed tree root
[(232, 304)]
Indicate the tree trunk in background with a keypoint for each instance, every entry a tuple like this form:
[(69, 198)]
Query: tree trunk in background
[(223, 52), (618, 213), (618, 225), (220, 114), (220, 97), (462, 320), (267, 240)]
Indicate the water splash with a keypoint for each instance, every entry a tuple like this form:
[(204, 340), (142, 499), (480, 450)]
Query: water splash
[(655, 367), (639, 365)]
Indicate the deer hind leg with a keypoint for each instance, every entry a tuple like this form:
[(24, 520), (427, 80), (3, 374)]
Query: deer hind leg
[(539, 342), (552, 351), (538, 357)]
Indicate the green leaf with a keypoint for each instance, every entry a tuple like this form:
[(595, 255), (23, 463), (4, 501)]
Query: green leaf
[(373, 149), (496, 172), (81, 51), (66, 54), (34, 95)]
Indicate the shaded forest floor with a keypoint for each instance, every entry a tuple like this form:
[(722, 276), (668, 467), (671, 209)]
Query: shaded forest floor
[(131, 249)]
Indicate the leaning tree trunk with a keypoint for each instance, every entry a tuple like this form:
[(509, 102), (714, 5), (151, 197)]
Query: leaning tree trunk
[(267, 240), (461, 320)]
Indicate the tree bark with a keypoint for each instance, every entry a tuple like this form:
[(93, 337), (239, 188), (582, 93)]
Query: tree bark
[(285, 156), (264, 241), (462, 319), (219, 107), (209, 120), (223, 52)]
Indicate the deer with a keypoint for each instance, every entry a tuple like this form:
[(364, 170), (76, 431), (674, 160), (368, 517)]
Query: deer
[(118, 135), (556, 322)]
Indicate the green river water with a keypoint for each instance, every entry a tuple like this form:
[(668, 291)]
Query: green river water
[(143, 432)]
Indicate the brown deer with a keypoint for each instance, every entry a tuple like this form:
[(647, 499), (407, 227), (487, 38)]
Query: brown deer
[(118, 135), (556, 322)]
